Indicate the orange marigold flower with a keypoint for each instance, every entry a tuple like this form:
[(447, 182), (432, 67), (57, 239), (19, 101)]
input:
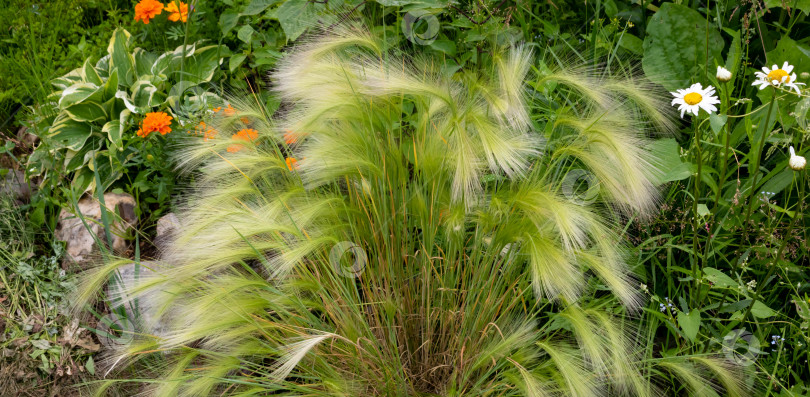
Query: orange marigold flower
[(292, 163), (247, 135), (217, 109), (147, 9), (229, 111), (155, 122), (176, 14), (290, 137), (206, 131)]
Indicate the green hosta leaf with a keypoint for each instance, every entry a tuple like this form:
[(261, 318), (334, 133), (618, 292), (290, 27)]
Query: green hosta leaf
[(675, 46), (121, 58), (143, 62), (69, 79), (89, 112), (122, 95), (114, 132), (68, 133), (79, 93), (718, 278), (143, 94), (200, 66), (110, 86), (89, 73), (689, 323)]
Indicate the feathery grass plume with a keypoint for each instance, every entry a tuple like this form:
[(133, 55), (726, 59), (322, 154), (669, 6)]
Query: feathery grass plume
[(420, 244)]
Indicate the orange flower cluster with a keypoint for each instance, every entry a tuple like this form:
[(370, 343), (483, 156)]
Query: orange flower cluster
[(155, 122), (205, 130), (292, 163), (228, 111), (181, 14), (246, 135), (290, 137), (149, 9)]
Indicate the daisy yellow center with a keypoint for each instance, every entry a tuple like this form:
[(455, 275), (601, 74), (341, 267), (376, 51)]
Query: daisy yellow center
[(778, 74), (692, 98)]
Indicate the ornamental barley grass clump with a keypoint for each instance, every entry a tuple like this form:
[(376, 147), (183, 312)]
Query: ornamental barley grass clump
[(415, 238)]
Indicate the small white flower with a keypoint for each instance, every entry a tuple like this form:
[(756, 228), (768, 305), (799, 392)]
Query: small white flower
[(723, 74), (695, 98), (797, 163), (777, 77)]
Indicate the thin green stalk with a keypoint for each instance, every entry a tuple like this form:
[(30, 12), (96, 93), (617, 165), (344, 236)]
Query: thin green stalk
[(696, 220), (759, 149), (775, 264)]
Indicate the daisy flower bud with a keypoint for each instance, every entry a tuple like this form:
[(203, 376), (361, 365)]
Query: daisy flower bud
[(723, 74), (797, 163)]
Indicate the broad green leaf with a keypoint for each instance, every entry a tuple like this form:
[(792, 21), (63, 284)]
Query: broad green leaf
[(121, 58), (236, 61), (717, 122), (245, 33), (446, 46), (228, 21), (89, 73), (69, 134), (69, 79), (143, 93), (257, 6), (760, 310), (114, 133), (296, 16), (143, 62), (202, 64), (90, 366), (89, 112), (675, 46), (792, 52), (666, 153), (78, 93), (110, 87), (631, 43), (689, 323), (803, 5), (718, 278)]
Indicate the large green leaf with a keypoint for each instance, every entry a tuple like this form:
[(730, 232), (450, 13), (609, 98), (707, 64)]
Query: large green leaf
[(296, 16), (794, 53), (690, 323), (79, 93), (89, 73), (667, 160), (258, 6), (143, 62), (114, 132), (202, 64), (110, 87), (675, 46), (803, 5), (121, 58), (68, 133), (88, 111)]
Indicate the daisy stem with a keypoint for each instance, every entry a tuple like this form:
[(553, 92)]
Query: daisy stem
[(699, 158), (727, 136), (756, 158)]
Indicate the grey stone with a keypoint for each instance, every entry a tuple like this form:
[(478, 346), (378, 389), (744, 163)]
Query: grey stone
[(81, 245), (167, 225), (13, 185)]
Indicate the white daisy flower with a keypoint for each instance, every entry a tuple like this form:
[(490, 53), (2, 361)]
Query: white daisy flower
[(797, 163), (777, 77), (695, 98), (723, 74)]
